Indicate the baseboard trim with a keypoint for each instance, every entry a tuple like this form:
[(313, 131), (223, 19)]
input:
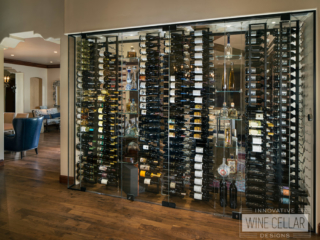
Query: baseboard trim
[(64, 179), (1, 162)]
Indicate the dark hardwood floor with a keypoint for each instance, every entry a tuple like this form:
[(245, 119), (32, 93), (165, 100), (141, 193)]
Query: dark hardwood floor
[(34, 205)]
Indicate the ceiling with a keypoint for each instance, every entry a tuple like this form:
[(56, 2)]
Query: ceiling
[(35, 50)]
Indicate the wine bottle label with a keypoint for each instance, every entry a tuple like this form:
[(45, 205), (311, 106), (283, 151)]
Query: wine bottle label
[(172, 185), (197, 121), (167, 49), (142, 173), (142, 65), (83, 129), (197, 136), (101, 72), (143, 112), (143, 160), (143, 51), (143, 105), (198, 78), (104, 181), (285, 192), (198, 70), (197, 129), (145, 147), (144, 58), (103, 168), (198, 166), (198, 158), (198, 40), (171, 134), (255, 132), (100, 60), (197, 188), (198, 181), (172, 85), (100, 129), (143, 92), (172, 92), (199, 150), (147, 181), (285, 200), (196, 92), (198, 99), (79, 79), (256, 148), (198, 33), (198, 63), (173, 78), (79, 85), (142, 84), (172, 100), (198, 106), (167, 43), (197, 114), (143, 99), (142, 71), (197, 196), (101, 66), (198, 85), (259, 116), (257, 140), (143, 44), (198, 55), (100, 123), (198, 174), (145, 167), (171, 127), (198, 48), (79, 115)]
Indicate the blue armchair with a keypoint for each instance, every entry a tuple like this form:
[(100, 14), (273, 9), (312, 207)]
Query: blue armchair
[(26, 137)]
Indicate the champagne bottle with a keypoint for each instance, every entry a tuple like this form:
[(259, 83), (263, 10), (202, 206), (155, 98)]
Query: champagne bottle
[(231, 78)]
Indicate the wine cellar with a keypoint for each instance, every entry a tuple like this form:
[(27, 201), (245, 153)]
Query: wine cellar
[(215, 117)]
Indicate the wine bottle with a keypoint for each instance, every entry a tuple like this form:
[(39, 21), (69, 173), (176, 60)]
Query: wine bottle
[(231, 78), (233, 195), (223, 193)]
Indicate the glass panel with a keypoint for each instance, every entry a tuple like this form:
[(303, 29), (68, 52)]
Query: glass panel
[(208, 117)]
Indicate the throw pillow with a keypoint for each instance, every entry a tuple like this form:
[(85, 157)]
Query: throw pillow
[(55, 115)]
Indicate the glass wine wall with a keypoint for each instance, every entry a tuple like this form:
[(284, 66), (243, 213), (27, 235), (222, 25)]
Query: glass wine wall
[(172, 114)]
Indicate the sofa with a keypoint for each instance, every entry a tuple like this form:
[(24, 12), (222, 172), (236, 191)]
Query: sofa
[(51, 117)]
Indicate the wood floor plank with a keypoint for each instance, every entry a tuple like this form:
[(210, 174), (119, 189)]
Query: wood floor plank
[(34, 205)]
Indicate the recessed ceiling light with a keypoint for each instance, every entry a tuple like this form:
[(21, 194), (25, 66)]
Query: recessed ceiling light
[(273, 22), (50, 61), (12, 55), (228, 25), (55, 52)]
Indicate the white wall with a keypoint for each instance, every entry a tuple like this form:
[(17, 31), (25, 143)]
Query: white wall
[(53, 74), (29, 72), (19, 93)]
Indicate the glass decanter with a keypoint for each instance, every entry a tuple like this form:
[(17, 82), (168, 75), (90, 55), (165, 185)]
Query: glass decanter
[(224, 169), (224, 111)]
